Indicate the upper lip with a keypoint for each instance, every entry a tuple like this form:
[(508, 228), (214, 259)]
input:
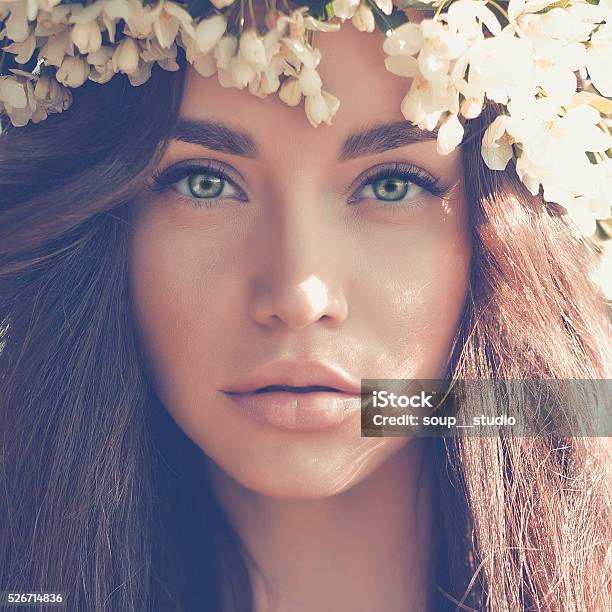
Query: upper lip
[(297, 374)]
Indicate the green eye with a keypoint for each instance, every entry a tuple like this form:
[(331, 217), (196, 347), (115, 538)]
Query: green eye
[(390, 188), (205, 185)]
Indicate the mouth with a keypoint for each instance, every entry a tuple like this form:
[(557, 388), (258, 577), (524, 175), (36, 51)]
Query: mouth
[(297, 408), (288, 389)]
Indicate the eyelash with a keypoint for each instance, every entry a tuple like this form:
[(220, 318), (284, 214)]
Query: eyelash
[(164, 179)]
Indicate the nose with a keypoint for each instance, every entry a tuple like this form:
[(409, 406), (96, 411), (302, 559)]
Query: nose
[(298, 278)]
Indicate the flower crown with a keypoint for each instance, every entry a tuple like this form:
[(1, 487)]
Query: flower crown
[(548, 62)]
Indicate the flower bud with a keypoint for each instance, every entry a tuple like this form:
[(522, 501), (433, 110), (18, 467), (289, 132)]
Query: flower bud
[(12, 92), (321, 108), (449, 135), (73, 72), (252, 48), (310, 81), (42, 89), (87, 36), (290, 92), (126, 56), (209, 31), (363, 19)]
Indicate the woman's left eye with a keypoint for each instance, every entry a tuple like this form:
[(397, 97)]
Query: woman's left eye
[(398, 183), (203, 185)]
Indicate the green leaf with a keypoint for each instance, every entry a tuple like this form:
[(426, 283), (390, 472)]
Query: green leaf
[(559, 4), (329, 10), (604, 229), (388, 22), (603, 105), (417, 5)]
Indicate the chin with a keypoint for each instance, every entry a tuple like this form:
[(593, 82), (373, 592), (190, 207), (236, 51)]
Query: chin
[(300, 474)]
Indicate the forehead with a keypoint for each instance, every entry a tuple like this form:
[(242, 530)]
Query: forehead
[(352, 69)]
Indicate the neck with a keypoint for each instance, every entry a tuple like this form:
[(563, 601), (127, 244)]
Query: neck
[(367, 548)]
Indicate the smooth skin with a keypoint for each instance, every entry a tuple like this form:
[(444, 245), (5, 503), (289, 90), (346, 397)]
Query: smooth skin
[(306, 264)]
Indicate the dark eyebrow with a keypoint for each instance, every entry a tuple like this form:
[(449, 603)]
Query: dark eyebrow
[(382, 137), (369, 140), (215, 136)]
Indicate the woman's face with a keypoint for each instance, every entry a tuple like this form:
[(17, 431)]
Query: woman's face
[(291, 251)]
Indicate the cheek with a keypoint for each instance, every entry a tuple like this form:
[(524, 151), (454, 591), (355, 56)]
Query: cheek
[(411, 289), (180, 303)]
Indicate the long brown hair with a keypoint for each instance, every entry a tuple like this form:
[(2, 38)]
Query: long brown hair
[(97, 480)]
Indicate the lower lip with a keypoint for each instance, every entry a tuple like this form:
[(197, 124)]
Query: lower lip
[(298, 411)]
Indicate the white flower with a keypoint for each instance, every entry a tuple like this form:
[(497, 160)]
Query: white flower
[(56, 47), (499, 65), (142, 73), (152, 51), (127, 10), (224, 50), (575, 132), (209, 31), (406, 39), (440, 46), (598, 62), (554, 69), (101, 64), (48, 23), (495, 147), (402, 65), (363, 19), (464, 19), (290, 92), (386, 6), (170, 18), (297, 22), (140, 18), (126, 55), (321, 108), (299, 51), (87, 36), (345, 9), (51, 94), (205, 64), (556, 24), (554, 156), (471, 107), (450, 135), (73, 72), (22, 50), (17, 26), (17, 98), (252, 49), (12, 92), (266, 82), (86, 32), (241, 70), (426, 100), (309, 81)]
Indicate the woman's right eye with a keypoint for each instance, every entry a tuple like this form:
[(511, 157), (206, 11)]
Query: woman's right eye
[(203, 185)]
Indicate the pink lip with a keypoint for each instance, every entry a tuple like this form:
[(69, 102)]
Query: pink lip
[(296, 411)]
